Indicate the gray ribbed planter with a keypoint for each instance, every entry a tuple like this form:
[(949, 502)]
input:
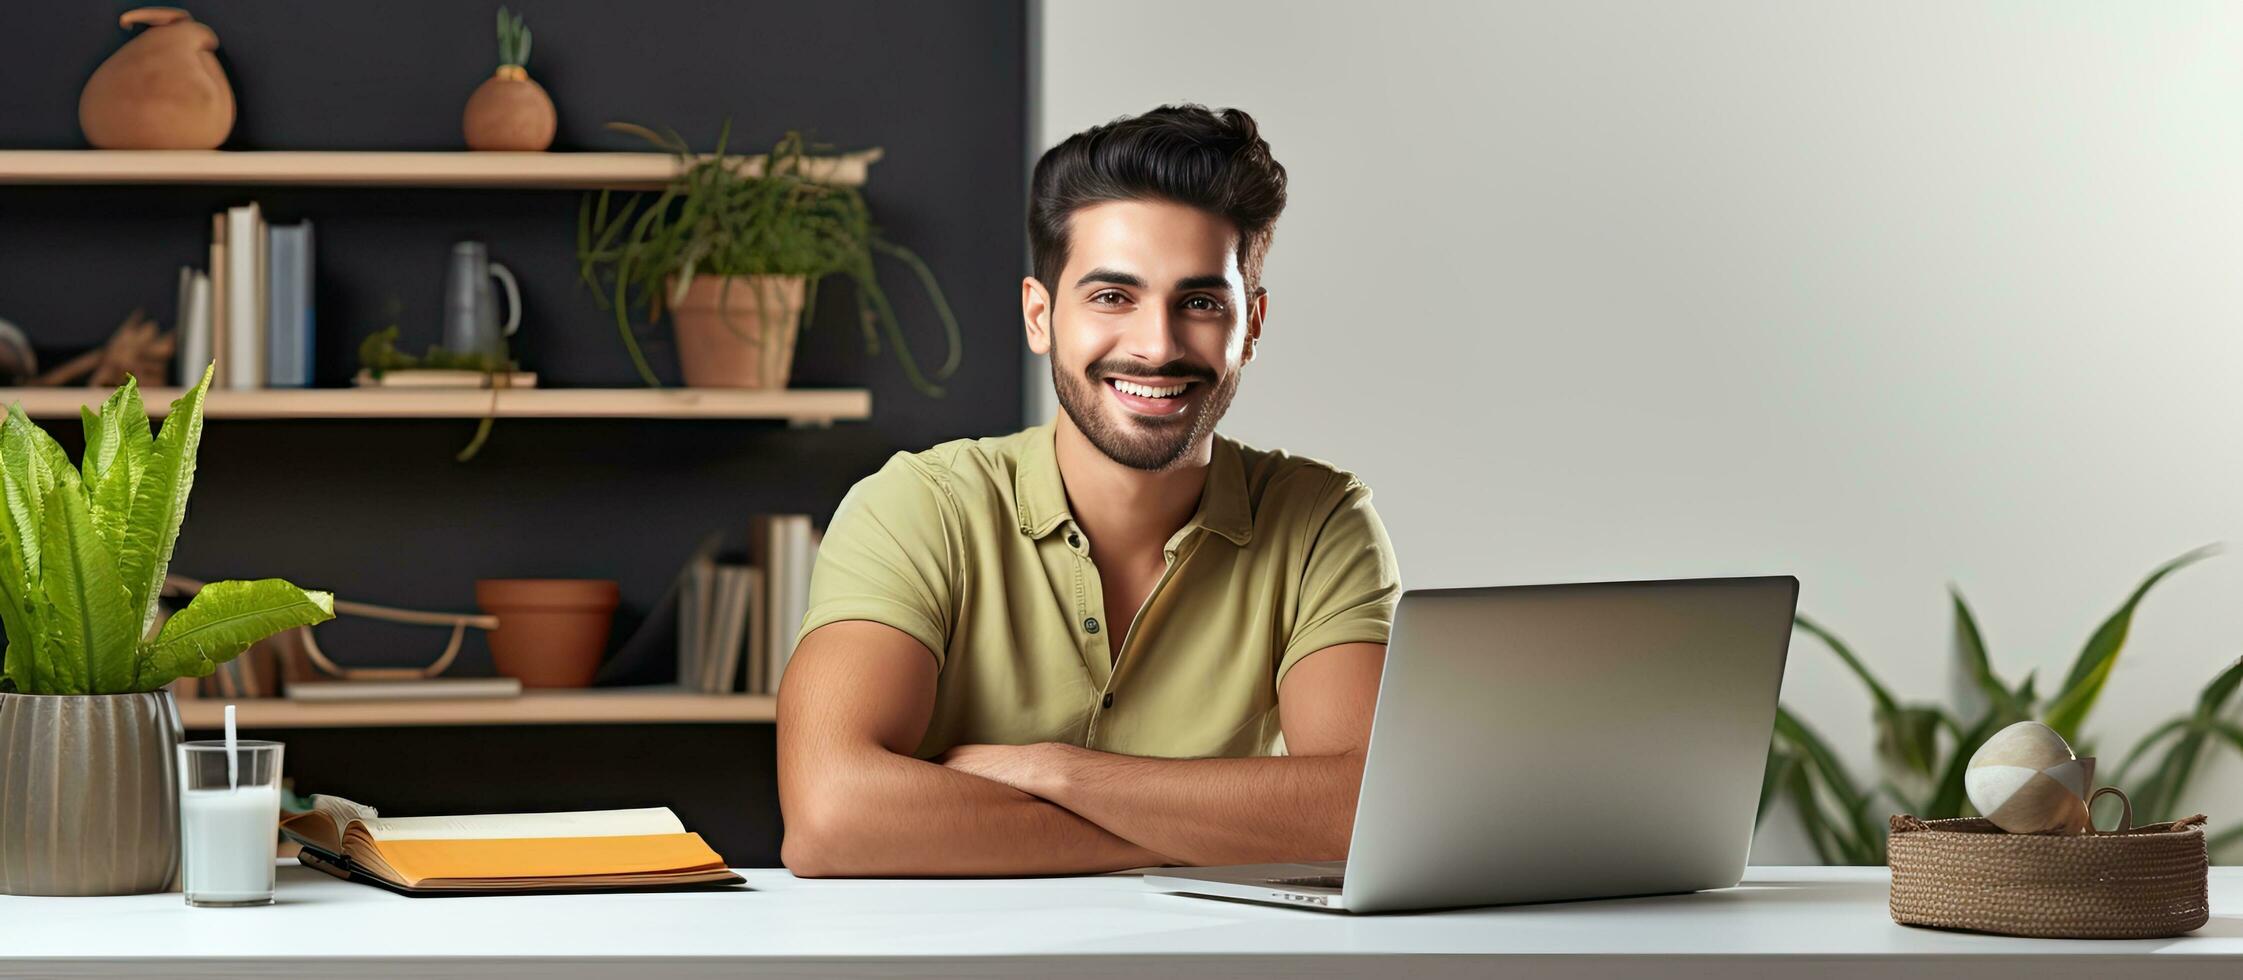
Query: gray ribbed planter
[(89, 794)]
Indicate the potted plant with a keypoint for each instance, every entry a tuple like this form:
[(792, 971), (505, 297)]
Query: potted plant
[(734, 247), (510, 110), (87, 728)]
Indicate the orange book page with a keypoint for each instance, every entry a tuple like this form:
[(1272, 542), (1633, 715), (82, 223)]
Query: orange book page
[(546, 857)]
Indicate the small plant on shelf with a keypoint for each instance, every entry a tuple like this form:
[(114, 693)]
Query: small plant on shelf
[(510, 111), (733, 248), (378, 355)]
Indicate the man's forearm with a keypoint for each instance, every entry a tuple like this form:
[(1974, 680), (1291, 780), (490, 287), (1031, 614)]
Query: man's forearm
[(1213, 811), (879, 814)]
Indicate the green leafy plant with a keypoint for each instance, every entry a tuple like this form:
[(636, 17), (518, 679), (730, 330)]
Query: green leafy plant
[(513, 40), (744, 216), (378, 354), (1922, 749), (84, 551)]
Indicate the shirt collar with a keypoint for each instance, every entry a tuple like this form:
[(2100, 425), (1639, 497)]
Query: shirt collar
[(1040, 496)]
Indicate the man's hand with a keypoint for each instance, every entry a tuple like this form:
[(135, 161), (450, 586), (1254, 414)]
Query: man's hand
[(1037, 770)]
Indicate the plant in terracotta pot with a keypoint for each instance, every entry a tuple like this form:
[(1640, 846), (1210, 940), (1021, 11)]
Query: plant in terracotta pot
[(510, 111), (734, 247), (88, 791)]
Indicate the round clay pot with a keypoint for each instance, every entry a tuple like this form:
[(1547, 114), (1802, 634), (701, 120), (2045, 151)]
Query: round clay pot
[(509, 111), (552, 632), (163, 90), (741, 335), (89, 793)]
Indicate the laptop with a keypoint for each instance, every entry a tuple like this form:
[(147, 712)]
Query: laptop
[(1552, 742)]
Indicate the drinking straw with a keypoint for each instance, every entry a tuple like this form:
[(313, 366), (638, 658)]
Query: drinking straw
[(233, 746)]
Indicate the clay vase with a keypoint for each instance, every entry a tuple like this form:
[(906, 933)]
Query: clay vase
[(738, 331), (509, 111), (551, 632), (89, 793), (162, 91)]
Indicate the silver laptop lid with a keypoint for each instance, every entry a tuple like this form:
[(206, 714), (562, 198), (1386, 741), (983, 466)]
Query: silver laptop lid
[(1537, 743)]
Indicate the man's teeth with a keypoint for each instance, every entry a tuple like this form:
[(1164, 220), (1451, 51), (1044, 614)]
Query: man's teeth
[(1147, 391)]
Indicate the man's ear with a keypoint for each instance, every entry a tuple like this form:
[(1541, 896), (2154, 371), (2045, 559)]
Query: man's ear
[(1035, 314), (1257, 312)]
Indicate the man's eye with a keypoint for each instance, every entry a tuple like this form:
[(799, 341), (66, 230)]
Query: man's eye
[(1211, 304), (1109, 295)]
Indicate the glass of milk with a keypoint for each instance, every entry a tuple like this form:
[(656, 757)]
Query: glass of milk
[(229, 822)]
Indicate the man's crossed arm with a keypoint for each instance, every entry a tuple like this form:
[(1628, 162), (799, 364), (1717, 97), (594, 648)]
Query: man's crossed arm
[(858, 697)]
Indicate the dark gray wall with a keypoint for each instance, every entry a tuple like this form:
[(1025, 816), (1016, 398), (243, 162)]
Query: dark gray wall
[(379, 511)]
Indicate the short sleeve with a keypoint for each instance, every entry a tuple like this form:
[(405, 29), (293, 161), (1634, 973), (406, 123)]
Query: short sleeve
[(1350, 584), (887, 557)]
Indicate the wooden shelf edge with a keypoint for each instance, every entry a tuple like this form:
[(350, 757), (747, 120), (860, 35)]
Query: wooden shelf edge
[(591, 706), (800, 405), (385, 168)]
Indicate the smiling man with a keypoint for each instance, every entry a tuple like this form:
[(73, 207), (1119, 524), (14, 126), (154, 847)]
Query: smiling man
[(1120, 639)]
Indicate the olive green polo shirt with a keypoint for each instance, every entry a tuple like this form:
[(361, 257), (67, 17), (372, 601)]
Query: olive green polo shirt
[(970, 548)]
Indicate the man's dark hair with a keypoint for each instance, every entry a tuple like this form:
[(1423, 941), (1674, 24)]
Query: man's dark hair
[(1188, 154)]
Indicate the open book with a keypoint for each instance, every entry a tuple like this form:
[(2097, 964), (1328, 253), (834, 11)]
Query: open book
[(594, 850)]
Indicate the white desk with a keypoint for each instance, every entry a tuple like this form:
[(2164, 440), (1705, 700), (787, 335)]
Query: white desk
[(1823, 923)]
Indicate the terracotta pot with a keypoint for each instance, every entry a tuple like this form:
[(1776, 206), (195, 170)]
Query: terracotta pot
[(89, 793), (741, 335), (509, 111), (552, 632), (162, 91)]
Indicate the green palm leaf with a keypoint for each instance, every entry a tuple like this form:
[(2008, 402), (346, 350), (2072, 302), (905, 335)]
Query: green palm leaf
[(160, 505), (15, 591), (1851, 834), (2084, 683), (1877, 691), (91, 625), (27, 482), (1970, 644), (118, 448), (222, 620), (29, 475)]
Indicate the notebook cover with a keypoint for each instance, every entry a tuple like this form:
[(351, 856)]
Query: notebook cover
[(341, 868)]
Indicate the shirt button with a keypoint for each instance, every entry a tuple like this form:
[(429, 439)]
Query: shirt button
[(1074, 540), (1109, 700), (1090, 625)]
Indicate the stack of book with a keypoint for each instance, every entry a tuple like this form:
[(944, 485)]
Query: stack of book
[(736, 620), (251, 312)]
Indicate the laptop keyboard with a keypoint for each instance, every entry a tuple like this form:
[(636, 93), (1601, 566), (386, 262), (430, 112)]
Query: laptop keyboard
[(1309, 881)]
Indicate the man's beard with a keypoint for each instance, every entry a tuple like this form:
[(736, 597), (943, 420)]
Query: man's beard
[(1137, 441)]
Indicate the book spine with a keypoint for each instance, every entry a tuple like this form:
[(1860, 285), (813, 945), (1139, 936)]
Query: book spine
[(244, 361), (221, 277), (307, 298), (280, 304), (194, 345), (258, 289)]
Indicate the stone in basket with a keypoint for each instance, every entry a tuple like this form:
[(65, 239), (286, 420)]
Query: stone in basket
[(2037, 867)]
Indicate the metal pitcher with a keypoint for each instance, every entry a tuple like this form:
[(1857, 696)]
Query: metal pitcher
[(471, 324)]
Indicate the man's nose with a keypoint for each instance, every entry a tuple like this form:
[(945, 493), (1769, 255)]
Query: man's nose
[(1152, 336)]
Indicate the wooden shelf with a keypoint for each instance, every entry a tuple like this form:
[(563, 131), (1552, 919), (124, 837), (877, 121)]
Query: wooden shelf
[(804, 406), (341, 168), (620, 705)]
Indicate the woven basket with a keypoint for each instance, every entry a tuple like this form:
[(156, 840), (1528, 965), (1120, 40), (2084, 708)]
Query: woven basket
[(2133, 883)]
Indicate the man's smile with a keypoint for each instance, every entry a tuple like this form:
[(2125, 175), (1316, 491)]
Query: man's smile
[(1160, 397)]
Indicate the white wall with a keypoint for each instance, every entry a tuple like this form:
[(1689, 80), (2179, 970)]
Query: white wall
[(1883, 295)]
